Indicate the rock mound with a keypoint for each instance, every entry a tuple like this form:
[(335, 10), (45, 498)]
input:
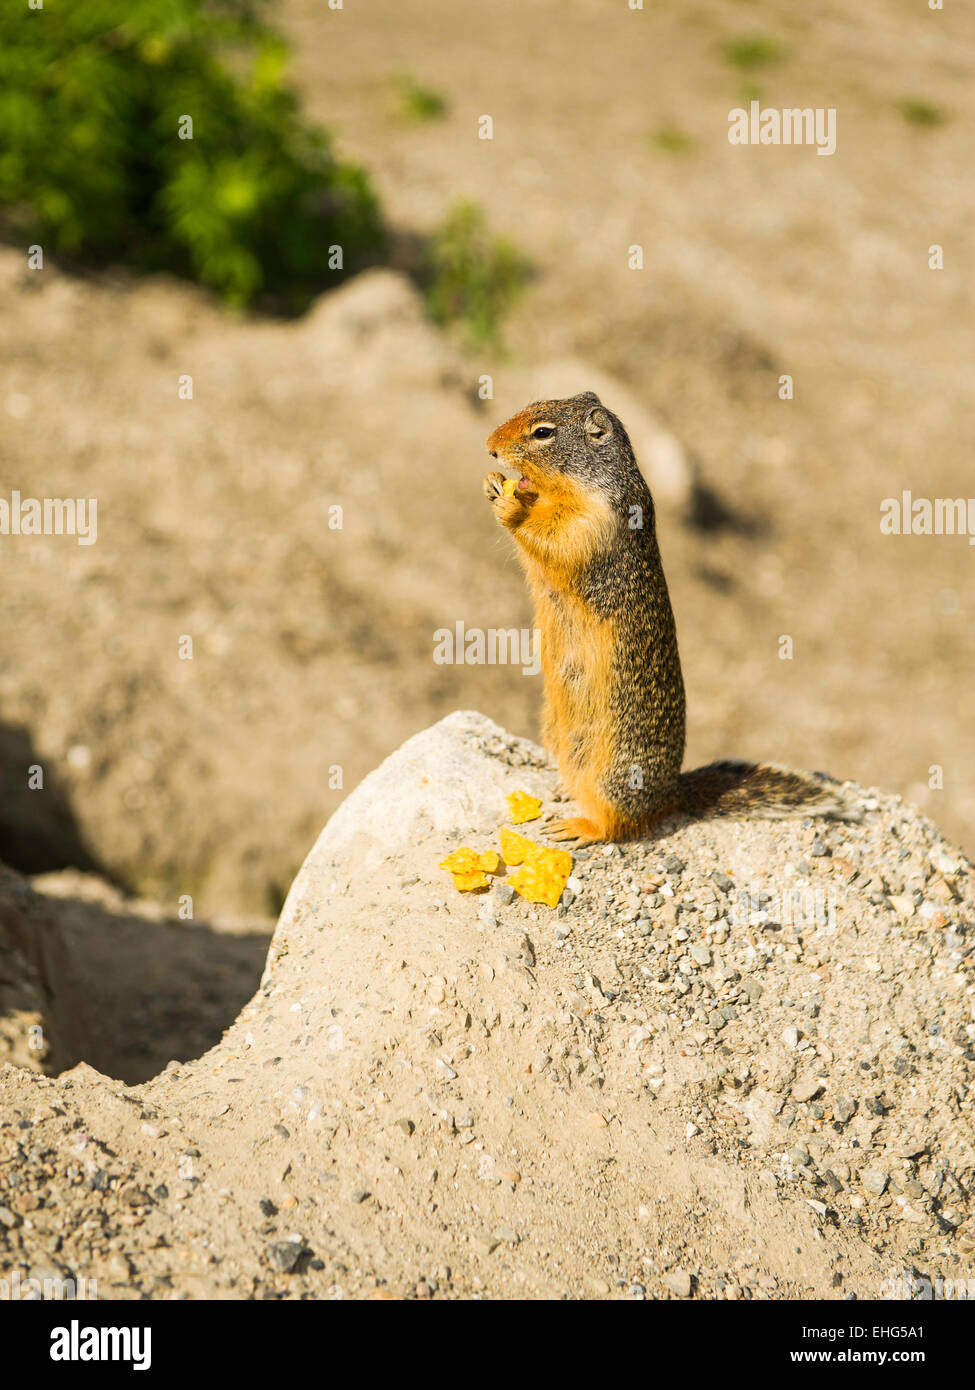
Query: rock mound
[(735, 1062)]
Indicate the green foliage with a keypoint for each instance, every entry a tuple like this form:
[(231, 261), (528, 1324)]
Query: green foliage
[(752, 51), (672, 140), (921, 112), (92, 96), (472, 278), (416, 102)]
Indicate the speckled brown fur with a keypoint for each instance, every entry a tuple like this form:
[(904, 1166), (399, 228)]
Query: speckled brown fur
[(614, 714)]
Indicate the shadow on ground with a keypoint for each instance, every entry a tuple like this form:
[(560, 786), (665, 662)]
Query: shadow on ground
[(38, 830), (87, 975), (108, 984)]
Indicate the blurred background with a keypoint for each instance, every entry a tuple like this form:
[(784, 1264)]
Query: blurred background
[(358, 382)]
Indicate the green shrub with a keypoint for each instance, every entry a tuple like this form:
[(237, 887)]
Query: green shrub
[(752, 51), (92, 166), (921, 112), (416, 102), (472, 278), (672, 140)]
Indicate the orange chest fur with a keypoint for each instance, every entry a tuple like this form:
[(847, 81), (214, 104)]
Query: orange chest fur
[(578, 654)]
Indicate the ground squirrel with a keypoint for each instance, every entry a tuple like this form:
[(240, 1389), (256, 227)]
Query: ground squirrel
[(613, 718)]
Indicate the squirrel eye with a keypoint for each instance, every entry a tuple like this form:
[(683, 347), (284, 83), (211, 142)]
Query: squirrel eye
[(542, 432)]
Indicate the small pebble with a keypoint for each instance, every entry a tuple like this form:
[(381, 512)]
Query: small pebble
[(679, 1282)]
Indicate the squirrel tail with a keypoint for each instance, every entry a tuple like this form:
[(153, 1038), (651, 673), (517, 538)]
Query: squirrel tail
[(761, 791)]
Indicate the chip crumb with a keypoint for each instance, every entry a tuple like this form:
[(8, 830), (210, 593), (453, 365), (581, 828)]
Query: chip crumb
[(470, 868), (545, 870), (524, 807)]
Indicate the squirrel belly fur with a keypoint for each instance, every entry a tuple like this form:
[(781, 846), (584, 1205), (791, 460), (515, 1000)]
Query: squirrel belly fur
[(583, 521)]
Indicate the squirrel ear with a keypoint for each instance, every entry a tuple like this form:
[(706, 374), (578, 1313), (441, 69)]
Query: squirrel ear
[(598, 425)]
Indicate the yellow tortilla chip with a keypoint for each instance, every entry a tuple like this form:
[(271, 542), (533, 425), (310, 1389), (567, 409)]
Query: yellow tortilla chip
[(559, 861), (545, 870), (537, 886), (514, 847), (468, 883), (470, 868), (523, 807), (508, 486), (460, 861)]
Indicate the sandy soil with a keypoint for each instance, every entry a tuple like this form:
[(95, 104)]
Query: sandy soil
[(734, 1063), (313, 647), (197, 786)]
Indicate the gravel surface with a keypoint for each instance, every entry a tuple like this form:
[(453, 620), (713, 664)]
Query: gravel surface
[(723, 1067)]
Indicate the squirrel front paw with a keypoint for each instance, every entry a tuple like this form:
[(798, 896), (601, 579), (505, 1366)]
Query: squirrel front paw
[(510, 504)]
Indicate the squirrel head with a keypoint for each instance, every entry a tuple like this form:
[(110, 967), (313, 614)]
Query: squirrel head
[(576, 437)]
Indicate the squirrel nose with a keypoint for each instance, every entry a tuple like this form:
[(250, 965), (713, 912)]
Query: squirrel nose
[(494, 453)]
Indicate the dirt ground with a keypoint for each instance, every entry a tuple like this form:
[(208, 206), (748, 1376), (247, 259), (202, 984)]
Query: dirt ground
[(313, 646), (197, 786), (734, 1063)]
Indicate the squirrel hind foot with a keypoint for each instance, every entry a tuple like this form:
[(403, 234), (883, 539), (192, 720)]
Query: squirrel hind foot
[(575, 829)]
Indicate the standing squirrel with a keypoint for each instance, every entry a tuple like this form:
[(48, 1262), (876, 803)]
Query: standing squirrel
[(613, 718)]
